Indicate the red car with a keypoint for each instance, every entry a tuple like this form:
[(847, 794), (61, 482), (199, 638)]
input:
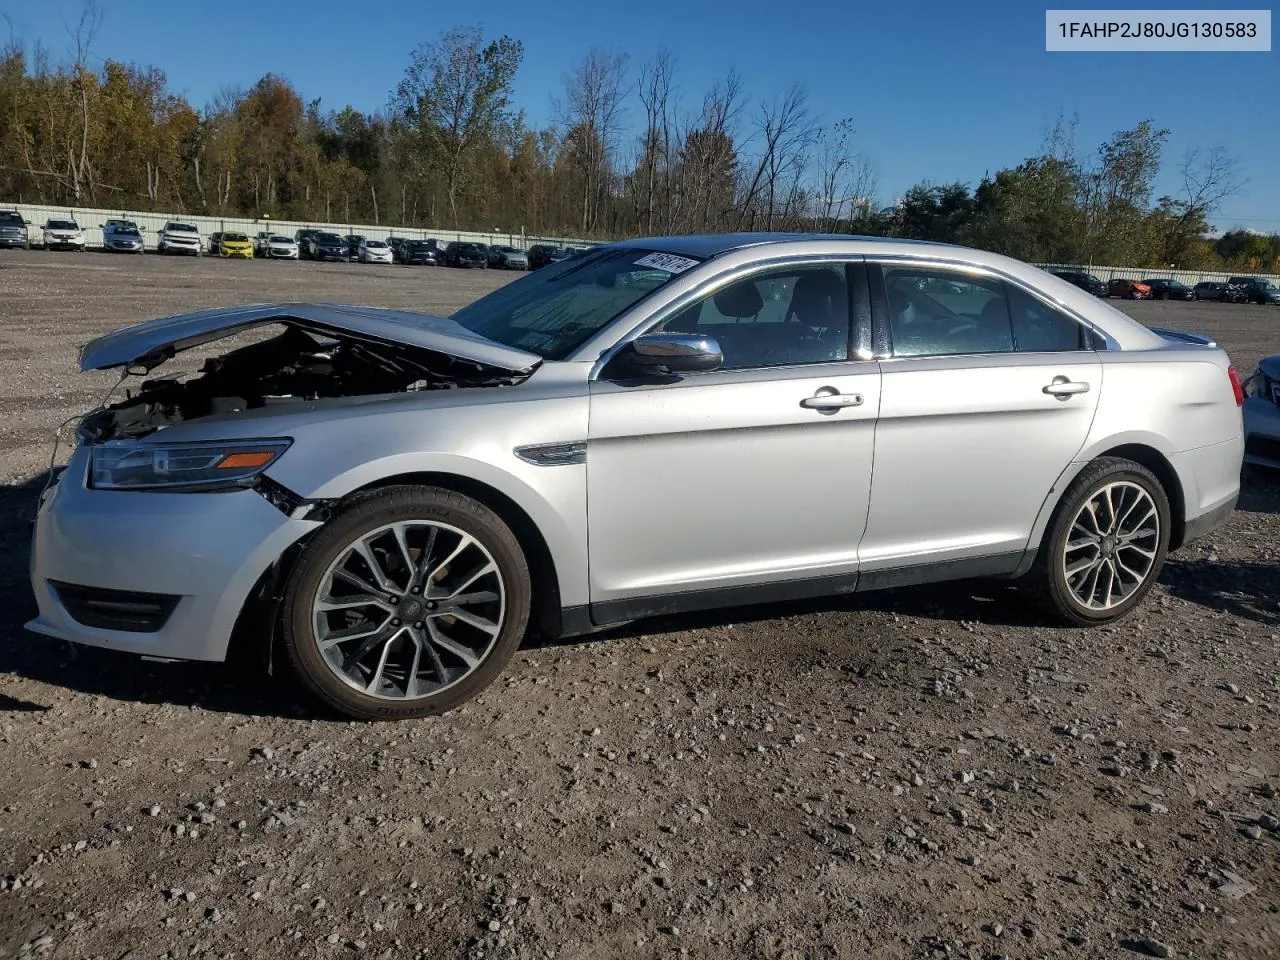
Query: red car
[(1128, 289)]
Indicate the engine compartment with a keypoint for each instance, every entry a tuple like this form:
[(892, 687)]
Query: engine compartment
[(292, 367)]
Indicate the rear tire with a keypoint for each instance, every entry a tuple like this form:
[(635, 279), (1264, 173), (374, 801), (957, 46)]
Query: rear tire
[(408, 661), (1105, 544)]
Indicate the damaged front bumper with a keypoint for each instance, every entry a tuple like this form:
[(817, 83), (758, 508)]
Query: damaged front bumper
[(159, 574)]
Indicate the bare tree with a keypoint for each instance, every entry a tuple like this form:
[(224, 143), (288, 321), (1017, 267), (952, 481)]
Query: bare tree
[(846, 178), (592, 111), (82, 36), (786, 131), (709, 161), (655, 149), (1208, 178)]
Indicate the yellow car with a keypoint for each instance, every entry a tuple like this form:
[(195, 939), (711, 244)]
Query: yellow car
[(235, 245)]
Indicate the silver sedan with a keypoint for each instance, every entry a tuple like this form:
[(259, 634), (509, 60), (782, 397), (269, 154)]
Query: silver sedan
[(393, 501)]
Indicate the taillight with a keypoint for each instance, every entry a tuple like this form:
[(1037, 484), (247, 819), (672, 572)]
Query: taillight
[(1236, 388)]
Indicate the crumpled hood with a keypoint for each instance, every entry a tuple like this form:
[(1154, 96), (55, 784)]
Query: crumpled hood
[(151, 343)]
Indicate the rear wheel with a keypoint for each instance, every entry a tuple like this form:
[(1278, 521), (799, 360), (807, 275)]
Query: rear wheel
[(1105, 544), (407, 604)]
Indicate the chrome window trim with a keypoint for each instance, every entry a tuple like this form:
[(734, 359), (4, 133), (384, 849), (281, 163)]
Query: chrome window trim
[(708, 285), (1108, 342)]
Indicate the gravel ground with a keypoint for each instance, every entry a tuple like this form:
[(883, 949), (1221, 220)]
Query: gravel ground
[(930, 772)]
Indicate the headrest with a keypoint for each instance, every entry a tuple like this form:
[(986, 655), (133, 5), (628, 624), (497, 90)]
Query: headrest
[(818, 295), (741, 299), (995, 310)]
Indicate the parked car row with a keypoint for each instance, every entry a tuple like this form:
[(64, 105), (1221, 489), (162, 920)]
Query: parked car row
[(180, 237), (1255, 289), (1234, 290)]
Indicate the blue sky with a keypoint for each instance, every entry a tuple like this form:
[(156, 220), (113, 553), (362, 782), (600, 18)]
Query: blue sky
[(938, 91)]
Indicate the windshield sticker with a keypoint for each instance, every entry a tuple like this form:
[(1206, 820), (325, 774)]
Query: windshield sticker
[(666, 261)]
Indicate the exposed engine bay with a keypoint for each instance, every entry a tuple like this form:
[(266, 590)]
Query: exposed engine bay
[(292, 367)]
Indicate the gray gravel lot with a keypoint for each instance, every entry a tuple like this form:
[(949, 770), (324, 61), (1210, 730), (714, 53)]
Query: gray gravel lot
[(925, 773)]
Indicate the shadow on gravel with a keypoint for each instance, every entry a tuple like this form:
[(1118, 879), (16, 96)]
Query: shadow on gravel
[(13, 705), (1259, 491), (993, 602), (225, 688), (1248, 590)]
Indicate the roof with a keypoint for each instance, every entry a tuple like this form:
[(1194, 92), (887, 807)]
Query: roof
[(713, 244)]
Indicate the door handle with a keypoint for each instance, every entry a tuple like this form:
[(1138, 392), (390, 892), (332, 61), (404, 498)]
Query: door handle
[(828, 398), (1064, 388)]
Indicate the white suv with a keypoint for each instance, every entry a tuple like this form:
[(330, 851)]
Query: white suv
[(179, 237), (62, 235)]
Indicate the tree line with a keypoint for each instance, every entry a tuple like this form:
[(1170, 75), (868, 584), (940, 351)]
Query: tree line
[(449, 150)]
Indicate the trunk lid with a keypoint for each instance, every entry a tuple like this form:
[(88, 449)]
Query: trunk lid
[(153, 342)]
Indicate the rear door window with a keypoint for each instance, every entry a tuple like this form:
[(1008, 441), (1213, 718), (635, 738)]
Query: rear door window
[(946, 312)]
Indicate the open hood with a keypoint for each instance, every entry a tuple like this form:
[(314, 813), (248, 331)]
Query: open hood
[(151, 343)]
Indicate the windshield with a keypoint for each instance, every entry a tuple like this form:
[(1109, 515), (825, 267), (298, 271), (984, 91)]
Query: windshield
[(374, 244), (181, 228), (235, 238), (329, 238), (281, 240), (553, 311), (124, 231), (63, 225), (9, 217)]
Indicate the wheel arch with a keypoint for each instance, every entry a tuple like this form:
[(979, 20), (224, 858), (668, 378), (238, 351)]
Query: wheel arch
[(543, 572), (1159, 464), (1140, 450), (255, 632)]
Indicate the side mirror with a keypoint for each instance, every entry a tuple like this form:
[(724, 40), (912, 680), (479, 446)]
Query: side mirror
[(667, 354)]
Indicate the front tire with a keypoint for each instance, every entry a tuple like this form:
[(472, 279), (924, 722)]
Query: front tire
[(1105, 544), (407, 604)]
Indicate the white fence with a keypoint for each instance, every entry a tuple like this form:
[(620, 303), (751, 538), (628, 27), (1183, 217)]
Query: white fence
[(1189, 277), (92, 221)]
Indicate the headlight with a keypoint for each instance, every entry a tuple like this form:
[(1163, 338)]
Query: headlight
[(130, 465)]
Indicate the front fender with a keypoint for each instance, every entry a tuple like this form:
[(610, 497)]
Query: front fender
[(554, 497)]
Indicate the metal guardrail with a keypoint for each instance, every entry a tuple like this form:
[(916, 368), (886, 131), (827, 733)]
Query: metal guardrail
[(91, 221)]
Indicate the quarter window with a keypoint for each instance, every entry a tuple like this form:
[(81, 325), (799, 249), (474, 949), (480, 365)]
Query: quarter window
[(1037, 327), (792, 315), (946, 312)]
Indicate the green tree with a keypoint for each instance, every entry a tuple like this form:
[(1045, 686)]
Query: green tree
[(454, 96), (940, 213)]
